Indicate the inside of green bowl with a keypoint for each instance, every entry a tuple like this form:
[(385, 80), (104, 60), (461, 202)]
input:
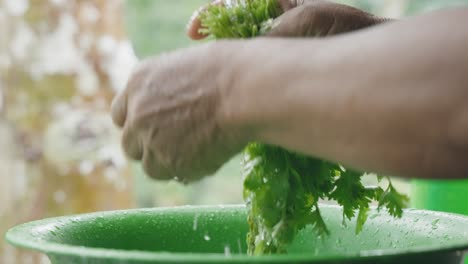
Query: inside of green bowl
[(222, 230)]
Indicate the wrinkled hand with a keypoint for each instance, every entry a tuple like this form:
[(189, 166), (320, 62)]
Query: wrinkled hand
[(171, 111), (306, 18), (171, 118)]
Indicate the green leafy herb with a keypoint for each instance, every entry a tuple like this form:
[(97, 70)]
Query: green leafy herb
[(239, 18), (282, 189)]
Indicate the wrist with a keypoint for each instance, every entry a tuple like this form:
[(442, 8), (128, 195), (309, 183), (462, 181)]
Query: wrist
[(245, 86), (269, 87), (231, 108)]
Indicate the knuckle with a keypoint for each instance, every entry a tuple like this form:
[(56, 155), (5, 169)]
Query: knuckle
[(141, 73)]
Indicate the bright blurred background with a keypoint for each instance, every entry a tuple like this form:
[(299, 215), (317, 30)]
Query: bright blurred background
[(61, 62)]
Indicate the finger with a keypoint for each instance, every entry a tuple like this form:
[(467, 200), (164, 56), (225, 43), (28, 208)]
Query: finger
[(194, 25), (299, 22), (319, 18), (287, 5), (119, 109), (131, 145)]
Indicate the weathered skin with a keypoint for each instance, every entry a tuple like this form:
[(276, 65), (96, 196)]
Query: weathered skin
[(391, 99), (169, 122)]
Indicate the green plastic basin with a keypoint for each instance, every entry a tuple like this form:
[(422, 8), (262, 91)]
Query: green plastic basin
[(217, 235), (440, 195)]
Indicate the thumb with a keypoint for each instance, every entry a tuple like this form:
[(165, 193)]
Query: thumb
[(287, 5)]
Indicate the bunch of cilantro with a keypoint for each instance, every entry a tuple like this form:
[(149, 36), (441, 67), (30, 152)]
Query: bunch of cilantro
[(282, 189)]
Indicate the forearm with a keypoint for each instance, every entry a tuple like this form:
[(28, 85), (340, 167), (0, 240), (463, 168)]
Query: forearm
[(392, 99)]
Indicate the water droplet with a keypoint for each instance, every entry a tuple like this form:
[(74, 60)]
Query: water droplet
[(207, 237), (338, 242), (372, 216), (262, 236), (239, 246)]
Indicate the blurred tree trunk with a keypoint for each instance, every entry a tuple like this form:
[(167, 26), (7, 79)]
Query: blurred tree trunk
[(61, 62)]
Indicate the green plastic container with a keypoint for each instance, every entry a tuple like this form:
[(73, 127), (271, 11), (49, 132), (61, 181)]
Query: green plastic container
[(441, 195), (217, 235)]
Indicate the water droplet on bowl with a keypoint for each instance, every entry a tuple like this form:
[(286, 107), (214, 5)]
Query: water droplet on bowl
[(372, 216)]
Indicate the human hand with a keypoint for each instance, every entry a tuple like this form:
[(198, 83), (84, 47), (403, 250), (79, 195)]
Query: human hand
[(171, 115), (171, 111), (305, 18)]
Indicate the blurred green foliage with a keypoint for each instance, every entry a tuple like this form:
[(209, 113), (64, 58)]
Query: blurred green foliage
[(156, 26)]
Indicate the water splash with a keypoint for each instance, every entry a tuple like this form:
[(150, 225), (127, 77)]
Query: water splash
[(227, 251), (195, 222)]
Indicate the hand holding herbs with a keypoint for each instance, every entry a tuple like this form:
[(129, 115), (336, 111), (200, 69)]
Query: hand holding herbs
[(282, 189), (171, 117), (281, 18)]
